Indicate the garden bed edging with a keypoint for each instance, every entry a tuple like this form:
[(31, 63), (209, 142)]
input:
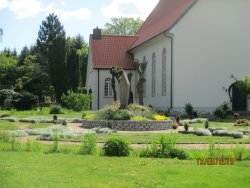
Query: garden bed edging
[(129, 125)]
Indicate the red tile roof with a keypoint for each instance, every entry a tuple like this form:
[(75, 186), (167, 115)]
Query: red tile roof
[(112, 50), (162, 18)]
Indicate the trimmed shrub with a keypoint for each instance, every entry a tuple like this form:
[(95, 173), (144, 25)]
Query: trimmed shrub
[(202, 132), (237, 135), (25, 101), (212, 129), (206, 124), (89, 145), (117, 147), (55, 109), (233, 134), (76, 101), (99, 130), (189, 110), (186, 126), (122, 115)]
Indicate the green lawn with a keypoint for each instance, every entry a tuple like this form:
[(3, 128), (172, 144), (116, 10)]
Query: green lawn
[(23, 169), (179, 138), (43, 113)]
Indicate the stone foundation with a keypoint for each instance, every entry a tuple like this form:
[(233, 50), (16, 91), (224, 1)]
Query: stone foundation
[(130, 125)]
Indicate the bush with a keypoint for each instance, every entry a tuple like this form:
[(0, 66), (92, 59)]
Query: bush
[(4, 137), (177, 153), (233, 134), (7, 94), (88, 146), (116, 147), (55, 109), (76, 101), (219, 113), (139, 118), (25, 101), (202, 132), (206, 124), (222, 111), (164, 148), (122, 115), (54, 147), (138, 109), (186, 126), (189, 110)]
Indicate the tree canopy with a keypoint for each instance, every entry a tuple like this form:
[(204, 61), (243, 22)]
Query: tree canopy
[(244, 84), (50, 29), (122, 26)]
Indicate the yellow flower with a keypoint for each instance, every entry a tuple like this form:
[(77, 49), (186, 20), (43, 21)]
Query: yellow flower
[(90, 117), (160, 118)]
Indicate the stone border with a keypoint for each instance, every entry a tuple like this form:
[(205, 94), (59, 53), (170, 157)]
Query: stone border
[(130, 125)]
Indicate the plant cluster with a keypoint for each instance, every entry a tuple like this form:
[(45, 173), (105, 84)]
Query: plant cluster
[(160, 118), (76, 101), (117, 147), (241, 122), (89, 145), (222, 111), (164, 148), (56, 109)]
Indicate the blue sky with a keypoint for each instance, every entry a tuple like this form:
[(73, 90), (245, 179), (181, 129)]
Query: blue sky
[(20, 19)]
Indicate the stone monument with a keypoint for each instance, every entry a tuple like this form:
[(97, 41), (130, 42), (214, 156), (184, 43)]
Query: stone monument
[(124, 86)]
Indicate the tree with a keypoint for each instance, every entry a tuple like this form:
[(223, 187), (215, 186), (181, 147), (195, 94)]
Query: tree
[(8, 69), (116, 74), (77, 50), (243, 85), (122, 26), (58, 66), (50, 29), (24, 53), (140, 68)]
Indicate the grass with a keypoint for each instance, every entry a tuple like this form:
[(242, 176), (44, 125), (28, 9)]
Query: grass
[(41, 113), (23, 169), (6, 125), (180, 138)]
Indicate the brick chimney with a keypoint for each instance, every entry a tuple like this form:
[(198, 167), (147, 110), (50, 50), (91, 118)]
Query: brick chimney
[(97, 34)]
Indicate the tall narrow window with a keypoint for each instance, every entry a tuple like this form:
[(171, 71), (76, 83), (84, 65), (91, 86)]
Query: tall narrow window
[(164, 72), (145, 76), (153, 74), (107, 88)]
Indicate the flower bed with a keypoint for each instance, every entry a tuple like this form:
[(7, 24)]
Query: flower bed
[(130, 125)]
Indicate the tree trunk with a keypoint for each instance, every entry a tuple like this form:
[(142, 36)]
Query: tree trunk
[(141, 98), (113, 87)]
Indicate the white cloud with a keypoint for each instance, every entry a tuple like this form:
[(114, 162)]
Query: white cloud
[(4, 4), (129, 8), (62, 3), (81, 13), (25, 8)]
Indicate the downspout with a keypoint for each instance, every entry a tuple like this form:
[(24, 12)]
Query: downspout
[(171, 83), (98, 90)]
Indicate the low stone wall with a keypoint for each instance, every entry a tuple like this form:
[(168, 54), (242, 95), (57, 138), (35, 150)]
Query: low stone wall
[(130, 125)]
